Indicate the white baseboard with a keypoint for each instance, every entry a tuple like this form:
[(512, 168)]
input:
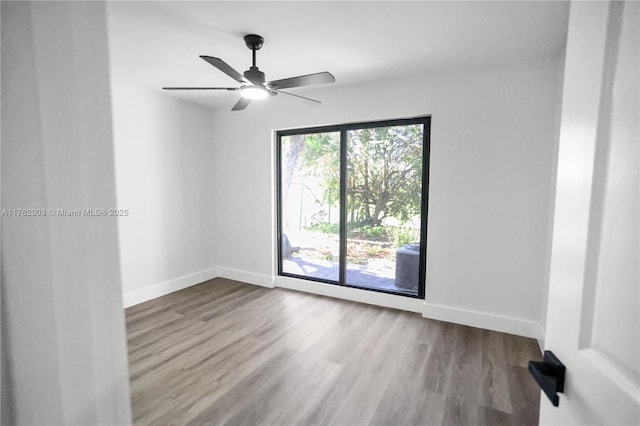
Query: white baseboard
[(246, 277), (428, 310), (135, 297), (484, 320)]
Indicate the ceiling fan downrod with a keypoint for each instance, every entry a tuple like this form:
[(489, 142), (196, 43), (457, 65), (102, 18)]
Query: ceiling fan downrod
[(253, 42), (253, 74)]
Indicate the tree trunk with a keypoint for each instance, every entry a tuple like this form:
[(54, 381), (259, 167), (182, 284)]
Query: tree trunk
[(375, 219)]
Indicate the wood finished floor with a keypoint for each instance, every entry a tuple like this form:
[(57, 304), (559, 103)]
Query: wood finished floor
[(225, 352)]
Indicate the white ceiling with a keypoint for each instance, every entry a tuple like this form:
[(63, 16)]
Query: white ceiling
[(155, 44)]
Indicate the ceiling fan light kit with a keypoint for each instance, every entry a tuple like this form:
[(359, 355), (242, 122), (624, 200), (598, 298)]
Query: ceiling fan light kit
[(252, 82), (253, 92)]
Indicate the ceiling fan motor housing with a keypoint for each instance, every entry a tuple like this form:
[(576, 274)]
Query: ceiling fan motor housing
[(254, 75)]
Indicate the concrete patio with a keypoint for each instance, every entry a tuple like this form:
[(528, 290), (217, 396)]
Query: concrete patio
[(372, 275)]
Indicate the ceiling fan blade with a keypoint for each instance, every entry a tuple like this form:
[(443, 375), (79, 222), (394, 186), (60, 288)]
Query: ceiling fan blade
[(302, 80), (224, 67), (241, 104), (201, 88), (298, 96)]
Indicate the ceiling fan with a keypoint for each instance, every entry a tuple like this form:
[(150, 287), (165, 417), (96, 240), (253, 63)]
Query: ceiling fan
[(252, 81)]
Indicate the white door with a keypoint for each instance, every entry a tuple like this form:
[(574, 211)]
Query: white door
[(594, 294)]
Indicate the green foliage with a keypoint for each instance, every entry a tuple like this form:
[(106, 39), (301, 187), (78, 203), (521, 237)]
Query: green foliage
[(384, 171), (327, 228), (402, 235), (357, 230), (362, 230), (322, 159), (375, 231)]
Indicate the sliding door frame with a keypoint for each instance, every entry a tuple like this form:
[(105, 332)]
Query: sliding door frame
[(342, 129)]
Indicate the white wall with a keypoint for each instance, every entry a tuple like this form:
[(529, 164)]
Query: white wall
[(492, 142), (63, 325), (164, 174)]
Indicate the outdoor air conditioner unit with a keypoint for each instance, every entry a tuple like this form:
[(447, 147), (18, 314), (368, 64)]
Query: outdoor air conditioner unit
[(408, 266)]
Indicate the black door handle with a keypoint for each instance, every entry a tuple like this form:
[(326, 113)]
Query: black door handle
[(550, 376)]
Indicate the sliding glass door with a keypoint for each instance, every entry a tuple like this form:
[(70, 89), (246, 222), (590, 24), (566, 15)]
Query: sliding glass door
[(352, 204)]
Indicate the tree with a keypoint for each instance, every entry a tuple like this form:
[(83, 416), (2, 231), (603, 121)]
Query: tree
[(384, 170)]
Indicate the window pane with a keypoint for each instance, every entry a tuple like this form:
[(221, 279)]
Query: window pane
[(384, 191), (310, 202)]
